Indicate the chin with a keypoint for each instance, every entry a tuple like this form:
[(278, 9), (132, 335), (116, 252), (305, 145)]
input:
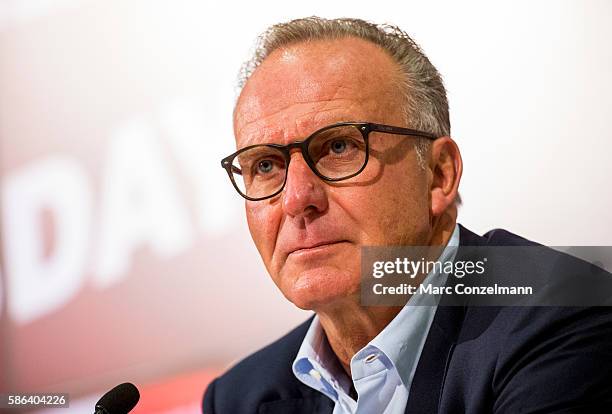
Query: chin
[(315, 288)]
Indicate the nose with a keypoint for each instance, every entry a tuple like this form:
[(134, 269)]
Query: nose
[(304, 193)]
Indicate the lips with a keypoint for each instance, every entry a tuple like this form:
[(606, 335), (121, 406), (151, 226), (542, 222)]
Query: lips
[(312, 246)]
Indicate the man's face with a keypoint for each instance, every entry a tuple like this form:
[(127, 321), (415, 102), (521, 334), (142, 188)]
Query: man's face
[(310, 235)]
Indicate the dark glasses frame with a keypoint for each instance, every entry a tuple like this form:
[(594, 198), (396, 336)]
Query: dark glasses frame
[(364, 127)]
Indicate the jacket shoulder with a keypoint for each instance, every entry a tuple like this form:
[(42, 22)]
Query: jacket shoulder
[(264, 376), (273, 358), (495, 237)]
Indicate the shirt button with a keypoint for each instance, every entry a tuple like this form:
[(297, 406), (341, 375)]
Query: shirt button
[(315, 374), (370, 358)]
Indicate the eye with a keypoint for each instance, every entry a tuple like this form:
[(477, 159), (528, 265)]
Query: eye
[(264, 166), (338, 146)]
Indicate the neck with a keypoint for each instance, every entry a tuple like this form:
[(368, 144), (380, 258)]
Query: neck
[(349, 326)]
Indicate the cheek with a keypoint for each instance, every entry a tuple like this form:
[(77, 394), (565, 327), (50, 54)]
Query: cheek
[(394, 210), (263, 220), (407, 210)]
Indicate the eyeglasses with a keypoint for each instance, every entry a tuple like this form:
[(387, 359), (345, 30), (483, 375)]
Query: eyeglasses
[(334, 153)]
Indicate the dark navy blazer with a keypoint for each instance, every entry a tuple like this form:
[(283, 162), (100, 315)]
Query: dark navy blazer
[(476, 359)]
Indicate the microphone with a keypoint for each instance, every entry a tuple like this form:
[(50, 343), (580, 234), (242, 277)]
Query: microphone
[(119, 400)]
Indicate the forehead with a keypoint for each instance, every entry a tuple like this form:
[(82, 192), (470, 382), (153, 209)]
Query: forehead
[(300, 88)]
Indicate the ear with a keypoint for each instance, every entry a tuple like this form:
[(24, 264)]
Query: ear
[(446, 167)]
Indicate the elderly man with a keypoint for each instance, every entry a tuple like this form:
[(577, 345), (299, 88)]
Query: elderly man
[(343, 139)]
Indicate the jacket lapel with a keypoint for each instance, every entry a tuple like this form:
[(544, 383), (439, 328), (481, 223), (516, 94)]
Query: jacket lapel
[(428, 381)]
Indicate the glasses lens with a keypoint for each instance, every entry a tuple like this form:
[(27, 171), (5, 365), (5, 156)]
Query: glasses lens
[(338, 152), (259, 171)]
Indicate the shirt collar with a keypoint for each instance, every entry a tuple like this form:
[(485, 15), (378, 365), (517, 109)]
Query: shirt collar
[(316, 365)]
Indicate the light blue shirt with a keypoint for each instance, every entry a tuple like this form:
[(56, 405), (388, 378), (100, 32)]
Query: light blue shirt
[(383, 370)]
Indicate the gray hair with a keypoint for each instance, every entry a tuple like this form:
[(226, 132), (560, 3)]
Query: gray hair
[(426, 105)]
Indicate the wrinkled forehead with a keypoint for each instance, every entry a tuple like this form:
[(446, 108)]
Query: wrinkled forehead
[(313, 83)]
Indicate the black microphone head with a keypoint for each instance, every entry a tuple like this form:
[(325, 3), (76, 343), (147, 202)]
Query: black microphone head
[(119, 400)]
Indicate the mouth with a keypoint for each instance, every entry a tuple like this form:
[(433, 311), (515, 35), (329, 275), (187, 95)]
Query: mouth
[(315, 247)]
